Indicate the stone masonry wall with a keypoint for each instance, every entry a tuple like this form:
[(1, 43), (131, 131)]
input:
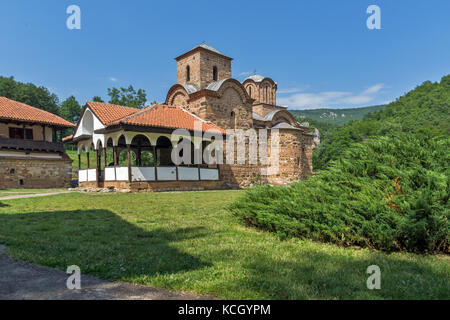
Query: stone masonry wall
[(295, 162), (35, 173), (201, 65)]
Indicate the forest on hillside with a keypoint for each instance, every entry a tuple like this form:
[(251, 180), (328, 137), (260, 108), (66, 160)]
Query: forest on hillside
[(382, 181), (334, 116), (70, 109), (424, 110)]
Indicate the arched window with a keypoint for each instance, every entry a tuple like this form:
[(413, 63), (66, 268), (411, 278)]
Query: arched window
[(214, 73), (188, 73), (267, 95), (250, 91)]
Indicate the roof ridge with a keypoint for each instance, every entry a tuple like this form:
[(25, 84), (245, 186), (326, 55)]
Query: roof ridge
[(27, 105), (109, 113), (140, 112), (111, 104), (38, 110), (195, 116)]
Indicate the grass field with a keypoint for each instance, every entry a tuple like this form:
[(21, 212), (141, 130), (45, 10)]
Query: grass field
[(190, 242)]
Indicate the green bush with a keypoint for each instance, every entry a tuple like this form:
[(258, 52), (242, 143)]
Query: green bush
[(388, 193)]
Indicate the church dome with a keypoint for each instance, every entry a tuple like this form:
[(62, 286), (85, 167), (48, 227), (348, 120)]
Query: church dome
[(255, 77)]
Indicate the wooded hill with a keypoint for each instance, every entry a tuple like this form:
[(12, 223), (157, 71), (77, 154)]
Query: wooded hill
[(383, 183), (335, 116)]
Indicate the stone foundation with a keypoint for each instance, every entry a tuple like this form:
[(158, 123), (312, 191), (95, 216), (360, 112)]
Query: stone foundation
[(35, 173)]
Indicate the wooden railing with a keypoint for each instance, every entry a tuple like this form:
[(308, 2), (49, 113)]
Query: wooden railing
[(31, 145)]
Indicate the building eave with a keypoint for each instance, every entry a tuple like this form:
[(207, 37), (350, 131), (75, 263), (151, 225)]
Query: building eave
[(201, 49)]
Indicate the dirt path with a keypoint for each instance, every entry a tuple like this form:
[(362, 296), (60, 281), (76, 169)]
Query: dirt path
[(33, 195), (25, 281)]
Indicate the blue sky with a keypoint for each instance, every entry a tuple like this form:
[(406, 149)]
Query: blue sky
[(320, 52)]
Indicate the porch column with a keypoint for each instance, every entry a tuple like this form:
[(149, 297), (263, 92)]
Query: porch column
[(116, 156), (155, 162), (115, 162), (138, 158), (88, 162), (43, 133), (79, 161), (129, 162), (104, 155), (98, 154), (198, 152)]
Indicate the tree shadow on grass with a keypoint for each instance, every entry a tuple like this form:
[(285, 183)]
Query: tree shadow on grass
[(99, 242), (320, 275)]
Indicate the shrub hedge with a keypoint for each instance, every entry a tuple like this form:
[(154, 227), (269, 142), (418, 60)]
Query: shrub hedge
[(388, 193)]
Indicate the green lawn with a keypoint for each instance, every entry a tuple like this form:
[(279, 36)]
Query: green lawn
[(190, 242)]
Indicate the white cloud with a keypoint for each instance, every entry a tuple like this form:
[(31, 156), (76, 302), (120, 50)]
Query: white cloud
[(245, 73), (374, 89), (113, 79), (330, 98), (292, 90)]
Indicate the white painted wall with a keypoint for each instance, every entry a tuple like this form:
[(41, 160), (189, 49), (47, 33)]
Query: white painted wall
[(122, 173), (187, 173), (143, 173), (82, 176), (92, 174), (167, 173), (110, 174), (84, 129), (148, 174)]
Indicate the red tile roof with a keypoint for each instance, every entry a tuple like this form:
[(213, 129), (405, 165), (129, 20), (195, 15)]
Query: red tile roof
[(162, 116), (18, 111), (109, 113), (165, 116)]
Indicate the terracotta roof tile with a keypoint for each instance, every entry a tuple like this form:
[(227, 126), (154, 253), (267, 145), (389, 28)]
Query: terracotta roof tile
[(168, 117), (109, 113), (13, 110)]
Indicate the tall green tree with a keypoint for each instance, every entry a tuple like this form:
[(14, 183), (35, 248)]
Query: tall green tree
[(128, 97), (97, 99), (71, 109), (39, 97)]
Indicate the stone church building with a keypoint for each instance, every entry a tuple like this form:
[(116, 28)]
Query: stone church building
[(205, 92)]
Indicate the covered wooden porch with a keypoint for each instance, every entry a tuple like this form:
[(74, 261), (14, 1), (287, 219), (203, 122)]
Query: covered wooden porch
[(142, 160)]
